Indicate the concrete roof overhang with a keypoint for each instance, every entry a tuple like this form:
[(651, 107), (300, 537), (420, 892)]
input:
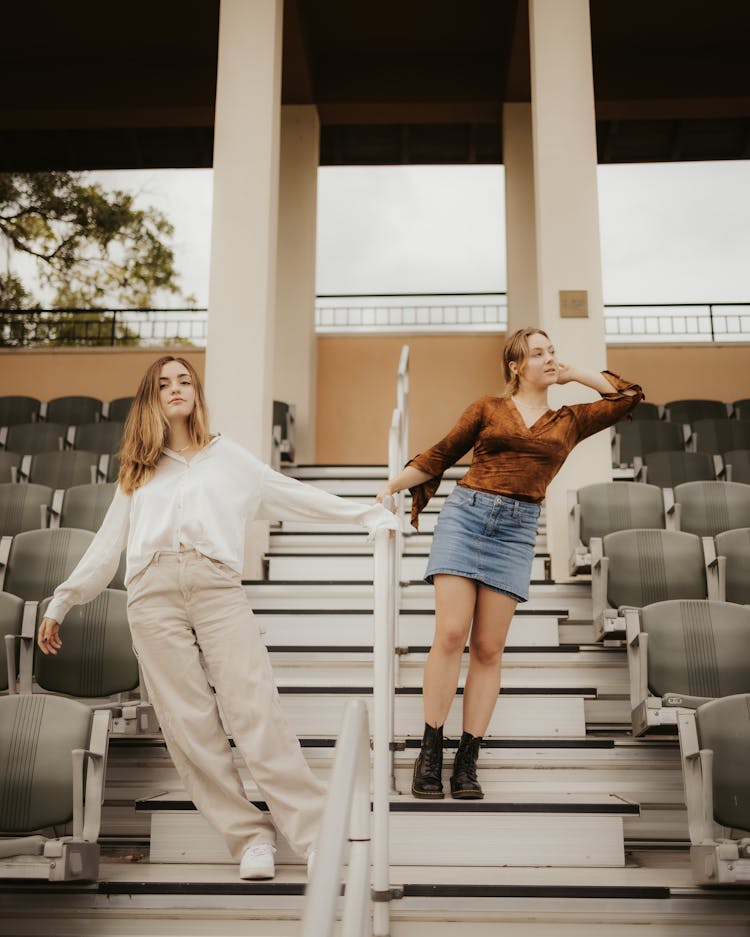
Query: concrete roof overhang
[(91, 85)]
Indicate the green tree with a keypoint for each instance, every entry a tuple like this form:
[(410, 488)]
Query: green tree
[(93, 248)]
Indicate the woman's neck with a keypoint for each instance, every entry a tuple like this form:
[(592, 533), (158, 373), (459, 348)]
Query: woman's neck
[(178, 437), (532, 397)]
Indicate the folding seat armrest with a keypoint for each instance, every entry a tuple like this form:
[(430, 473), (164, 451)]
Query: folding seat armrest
[(23, 472), (87, 808), (672, 510), (10, 662), (54, 511), (633, 627), (28, 635), (3, 436), (722, 471), (639, 470), (637, 650), (43, 411), (5, 544), (99, 474), (105, 410), (616, 444), (14, 474), (716, 570), (70, 438), (697, 771), (689, 438)]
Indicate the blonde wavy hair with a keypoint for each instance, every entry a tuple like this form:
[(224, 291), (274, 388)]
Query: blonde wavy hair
[(146, 427), (517, 350)]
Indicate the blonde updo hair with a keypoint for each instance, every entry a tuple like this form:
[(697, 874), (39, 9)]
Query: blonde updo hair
[(517, 350)]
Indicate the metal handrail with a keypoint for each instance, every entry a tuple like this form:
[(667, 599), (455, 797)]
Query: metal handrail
[(347, 815)]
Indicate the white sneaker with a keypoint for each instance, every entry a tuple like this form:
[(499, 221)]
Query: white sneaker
[(311, 863), (257, 862)]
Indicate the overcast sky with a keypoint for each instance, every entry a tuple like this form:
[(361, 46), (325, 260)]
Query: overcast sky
[(672, 232)]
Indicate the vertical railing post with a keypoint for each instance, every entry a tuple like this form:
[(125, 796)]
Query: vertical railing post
[(711, 321)]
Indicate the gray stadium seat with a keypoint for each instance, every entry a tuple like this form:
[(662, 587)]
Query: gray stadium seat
[(667, 469), (73, 410), (39, 560), (681, 654), (720, 436), (11, 619), (641, 437), (16, 409), (104, 437), (635, 568), (63, 469), (688, 411), (737, 465), (83, 506), (596, 510), (30, 438), (52, 762), (742, 409), (10, 462), (645, 411), (734, 546), (709, 508), (23, 507), (715, 755), (118, 409)]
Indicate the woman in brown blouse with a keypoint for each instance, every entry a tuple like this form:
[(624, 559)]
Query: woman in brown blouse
[(483, 546)]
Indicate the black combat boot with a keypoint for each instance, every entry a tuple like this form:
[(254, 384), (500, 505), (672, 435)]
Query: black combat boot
[(428, 767), (464, 784)]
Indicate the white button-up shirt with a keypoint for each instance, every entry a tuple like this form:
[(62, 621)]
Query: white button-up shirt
[(205, 505)]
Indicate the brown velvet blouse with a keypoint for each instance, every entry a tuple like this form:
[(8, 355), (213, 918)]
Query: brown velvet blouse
[(511, 458)]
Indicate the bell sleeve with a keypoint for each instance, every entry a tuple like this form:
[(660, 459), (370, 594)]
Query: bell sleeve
[(593, 417)]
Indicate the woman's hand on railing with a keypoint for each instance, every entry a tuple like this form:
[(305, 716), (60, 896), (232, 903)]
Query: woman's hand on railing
[(385, 492)]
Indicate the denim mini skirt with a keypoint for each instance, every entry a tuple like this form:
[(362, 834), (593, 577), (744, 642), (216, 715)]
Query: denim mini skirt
[(486, 537)]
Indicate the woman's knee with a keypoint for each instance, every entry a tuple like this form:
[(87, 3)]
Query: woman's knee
[(487, 653), (450, 639)]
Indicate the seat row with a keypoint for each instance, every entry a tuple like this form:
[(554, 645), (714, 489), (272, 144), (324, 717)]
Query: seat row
[(29, 506), (702, 508), (32, 438), (637, 438), (70, 410), (666, 469), (688, 411)]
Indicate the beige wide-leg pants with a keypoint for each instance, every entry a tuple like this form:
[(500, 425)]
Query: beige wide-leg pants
[(180, 605)]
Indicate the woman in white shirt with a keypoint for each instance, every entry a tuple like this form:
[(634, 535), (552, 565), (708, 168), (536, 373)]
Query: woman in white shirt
[(181, 507)]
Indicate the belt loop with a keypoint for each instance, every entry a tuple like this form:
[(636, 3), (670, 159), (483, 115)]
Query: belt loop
[(473, 498)]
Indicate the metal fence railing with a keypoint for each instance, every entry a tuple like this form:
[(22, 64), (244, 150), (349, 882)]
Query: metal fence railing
[(428, 313)]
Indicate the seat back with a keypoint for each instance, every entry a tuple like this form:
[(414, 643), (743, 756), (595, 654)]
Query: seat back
[(97, 657), (734, 545), (119, 409), (645, 411), (742, 409), (11, 617), (697, 648), (37, 735), (711, 507), (647, 566), (40, 560), (113, 469), (667, 469), (721, 435), (62, 469), (640, 438), (723, 727), (8, 462), (30, 438), (15, 409), (688, 411), (74, 410), (84, 506), (618, 506), (739, 459), (21, 507), (99, 437)]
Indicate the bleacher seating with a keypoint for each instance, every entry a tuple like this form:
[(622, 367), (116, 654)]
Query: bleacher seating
[(82, 506), (681, 654), (118, 409), (39, 560), (638, 438), (72, 410), (30, 438), (597, 510), (720, 436), (715, 750), (62, 469), (737, 465), (646, 411), (53, 758), (734, 547), (10, 462), (708, 508), (102, 437), (18, 409), (635, 568), (23, 507), (668, 469), (741, 409), (688, 411)]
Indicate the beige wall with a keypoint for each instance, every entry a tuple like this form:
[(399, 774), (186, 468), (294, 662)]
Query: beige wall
[(106, 373), (357, 381)]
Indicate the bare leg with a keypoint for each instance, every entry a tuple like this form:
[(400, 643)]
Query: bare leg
[(455, 597), (492, 618)]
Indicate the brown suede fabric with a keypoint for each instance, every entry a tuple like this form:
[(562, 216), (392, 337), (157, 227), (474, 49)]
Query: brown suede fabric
[(511, 458)]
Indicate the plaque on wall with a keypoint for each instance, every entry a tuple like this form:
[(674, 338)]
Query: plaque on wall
[(574, 304)]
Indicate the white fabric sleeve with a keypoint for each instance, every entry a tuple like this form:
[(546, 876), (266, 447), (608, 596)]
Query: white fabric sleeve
[(284, 498), (98, 564)]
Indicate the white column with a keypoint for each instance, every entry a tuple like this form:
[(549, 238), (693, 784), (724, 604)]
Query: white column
[(520, 217), (296, 352), (239, 353), (567, 227)]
